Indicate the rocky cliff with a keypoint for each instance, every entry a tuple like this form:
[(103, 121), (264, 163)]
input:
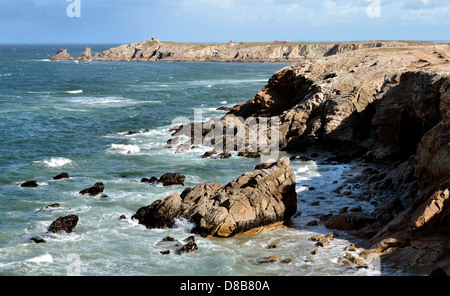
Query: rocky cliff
[(389, 105), (156, 50)]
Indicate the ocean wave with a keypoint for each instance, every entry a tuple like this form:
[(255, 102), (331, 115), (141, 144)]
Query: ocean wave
[(54, 162), (109, 101), (47, 258), (124, 149), (5, 75), (80, 91)]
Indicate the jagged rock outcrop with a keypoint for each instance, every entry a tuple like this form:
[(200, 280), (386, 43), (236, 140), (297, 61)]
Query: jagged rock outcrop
[(260, 198), (87, 56), (61, 55), (391, 105)]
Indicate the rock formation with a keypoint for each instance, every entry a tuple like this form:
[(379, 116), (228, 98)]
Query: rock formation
[(87, 56), (64, 224), (155, 50), (61, 55), (389, 105), (260, 198), (94, 190)]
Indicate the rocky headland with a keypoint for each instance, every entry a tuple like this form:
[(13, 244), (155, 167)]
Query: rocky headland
[(155, 50), (385, 106)]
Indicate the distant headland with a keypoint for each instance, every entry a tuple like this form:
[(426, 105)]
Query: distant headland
[(232, 51)]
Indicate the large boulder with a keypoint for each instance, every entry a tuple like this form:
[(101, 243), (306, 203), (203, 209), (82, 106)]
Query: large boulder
[(170, 179), (94, 190), (64, 224), (260, 198)]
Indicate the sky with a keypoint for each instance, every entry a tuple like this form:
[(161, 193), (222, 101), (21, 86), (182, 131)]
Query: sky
[(127, 21)]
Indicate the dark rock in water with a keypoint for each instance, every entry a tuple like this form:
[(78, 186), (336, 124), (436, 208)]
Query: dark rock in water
[(29, 184), (95, 190), (190, 239), (55, 205), (224, 155), (38, 240), (165, 252), (350, 221), (172, 179), (249, 154), (149, 180), (61, 176), (64, 224), (160, 214), (123, 217), (300, 158), (312, 223), (270, 259), (188, 248), (309, 187), (168, 239), (209, 154)]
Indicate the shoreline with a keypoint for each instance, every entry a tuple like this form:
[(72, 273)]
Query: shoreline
[(155, 50)]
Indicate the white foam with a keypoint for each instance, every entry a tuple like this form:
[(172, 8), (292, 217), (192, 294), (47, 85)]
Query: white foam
[(5, 75), (224, 102), (55, 162), (80, 91), (125, 149), (47, 258)]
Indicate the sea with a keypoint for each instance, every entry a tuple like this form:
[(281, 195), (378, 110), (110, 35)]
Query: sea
[(76, 118)]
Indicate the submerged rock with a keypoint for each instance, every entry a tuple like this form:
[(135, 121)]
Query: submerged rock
[(259, 198)]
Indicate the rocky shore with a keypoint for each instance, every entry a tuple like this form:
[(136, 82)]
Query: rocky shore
[(385, 106), (155, 50)]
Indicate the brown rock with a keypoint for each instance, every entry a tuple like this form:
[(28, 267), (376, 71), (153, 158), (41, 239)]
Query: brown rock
[(61, 176), (61, 55), (349, 221), (64, 224), (254, 200), (170, 179), (188, 248), (95, 190)]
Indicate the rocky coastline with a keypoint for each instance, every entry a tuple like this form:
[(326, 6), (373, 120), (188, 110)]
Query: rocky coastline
[(385, 106), (377, 103), (265, 52)]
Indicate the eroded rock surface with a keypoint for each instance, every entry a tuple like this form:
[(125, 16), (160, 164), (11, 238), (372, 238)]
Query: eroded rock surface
[(259, 198)]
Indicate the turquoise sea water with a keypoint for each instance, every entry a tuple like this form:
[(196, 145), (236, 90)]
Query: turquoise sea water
[(74, 117)]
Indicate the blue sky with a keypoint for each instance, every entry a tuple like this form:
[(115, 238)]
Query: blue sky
[(125, 21)]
